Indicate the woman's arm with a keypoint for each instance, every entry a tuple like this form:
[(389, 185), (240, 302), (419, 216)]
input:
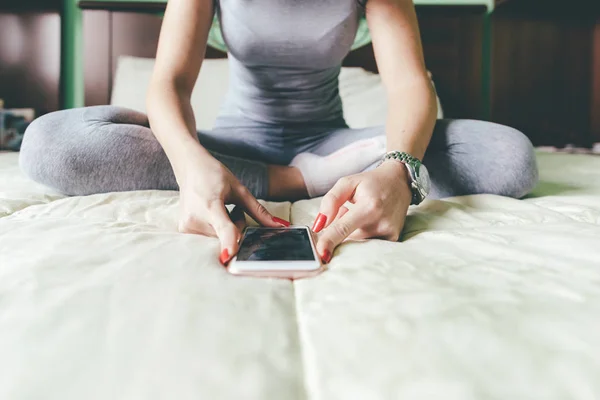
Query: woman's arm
[(381, 197), (205, 184), (399, 54), (181, 50)]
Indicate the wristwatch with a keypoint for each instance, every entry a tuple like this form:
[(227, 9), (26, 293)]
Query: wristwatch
[(420, 184)]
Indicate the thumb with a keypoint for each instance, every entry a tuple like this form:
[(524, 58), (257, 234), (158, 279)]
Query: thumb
[(337, 232), (333, 202), (227, 232)]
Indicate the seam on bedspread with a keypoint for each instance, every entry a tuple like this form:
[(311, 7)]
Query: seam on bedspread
[(302, 338)]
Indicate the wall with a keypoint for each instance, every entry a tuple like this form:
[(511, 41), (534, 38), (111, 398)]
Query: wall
[(545, 73), (30, 48)]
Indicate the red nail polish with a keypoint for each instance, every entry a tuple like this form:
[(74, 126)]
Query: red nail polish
[(320, 222), (224, 257), (326, 257), (281, 221)]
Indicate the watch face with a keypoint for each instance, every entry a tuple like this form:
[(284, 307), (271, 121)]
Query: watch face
[(423, 180)]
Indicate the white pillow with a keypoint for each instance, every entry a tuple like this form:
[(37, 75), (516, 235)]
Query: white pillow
[(133, 78), (364, 98), (362, 92)]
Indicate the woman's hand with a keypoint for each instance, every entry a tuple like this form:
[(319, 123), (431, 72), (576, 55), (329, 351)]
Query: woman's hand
[(206, 186), (379, 202)]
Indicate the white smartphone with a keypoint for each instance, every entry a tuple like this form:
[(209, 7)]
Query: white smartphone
[(277, 253)]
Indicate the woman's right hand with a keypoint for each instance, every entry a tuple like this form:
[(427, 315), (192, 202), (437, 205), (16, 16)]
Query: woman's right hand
[(206, 186)]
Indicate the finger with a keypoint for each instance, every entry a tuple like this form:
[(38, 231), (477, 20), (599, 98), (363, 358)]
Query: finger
[(258, 211), (228, 234), (341, 192), (337, 232)]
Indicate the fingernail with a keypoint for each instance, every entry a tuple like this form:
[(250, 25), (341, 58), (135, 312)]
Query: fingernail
[(320, 222), (224, 257), (326, 257), (281, 221)]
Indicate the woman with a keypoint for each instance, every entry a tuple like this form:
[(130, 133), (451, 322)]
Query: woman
[(281, 133)]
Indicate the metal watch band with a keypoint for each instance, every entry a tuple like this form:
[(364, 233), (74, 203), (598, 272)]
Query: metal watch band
[(400, 156), (405, 158)]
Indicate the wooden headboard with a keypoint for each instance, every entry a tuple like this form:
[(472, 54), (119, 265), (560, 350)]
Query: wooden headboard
[(452, 40)]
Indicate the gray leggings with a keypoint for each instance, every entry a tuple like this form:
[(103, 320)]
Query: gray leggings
[(108, 149)]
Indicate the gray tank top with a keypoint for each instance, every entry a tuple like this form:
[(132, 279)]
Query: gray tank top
[(285, 57)]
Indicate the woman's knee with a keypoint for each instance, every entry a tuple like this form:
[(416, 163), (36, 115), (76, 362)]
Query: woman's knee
[(44, 147), (502, 159), (55, 147), (518, 173), (67, 149)]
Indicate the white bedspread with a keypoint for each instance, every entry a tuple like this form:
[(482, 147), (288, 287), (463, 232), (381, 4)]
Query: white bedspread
[(485, 298)]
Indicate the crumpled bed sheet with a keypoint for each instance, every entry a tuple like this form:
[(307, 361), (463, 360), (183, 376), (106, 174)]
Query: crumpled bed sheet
[(485, 298)]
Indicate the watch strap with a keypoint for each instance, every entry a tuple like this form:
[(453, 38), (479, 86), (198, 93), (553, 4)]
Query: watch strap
[(407, 160), (401, 156)]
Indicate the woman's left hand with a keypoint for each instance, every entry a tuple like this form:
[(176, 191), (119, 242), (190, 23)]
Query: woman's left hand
[(380, 199)]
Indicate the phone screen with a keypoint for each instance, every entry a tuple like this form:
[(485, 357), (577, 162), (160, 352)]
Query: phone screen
[(276, 244)]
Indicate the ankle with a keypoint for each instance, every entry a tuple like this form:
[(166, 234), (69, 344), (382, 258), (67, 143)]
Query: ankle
[(286, 183)]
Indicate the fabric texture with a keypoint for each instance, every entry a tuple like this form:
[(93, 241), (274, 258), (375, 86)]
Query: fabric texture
[(485, 297), (110, 149)]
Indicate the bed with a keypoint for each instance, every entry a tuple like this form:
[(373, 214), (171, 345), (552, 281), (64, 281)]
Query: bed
[(485, 297)]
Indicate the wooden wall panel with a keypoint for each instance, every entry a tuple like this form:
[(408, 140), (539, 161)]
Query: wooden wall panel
[(541, 69), (97, 60), (545, 68), (31, 5), (595, 109), (137, 35), (453, 44), (453, 53), (134, 34), (30, 59)]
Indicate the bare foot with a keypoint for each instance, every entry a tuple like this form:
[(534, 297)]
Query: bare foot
[(286, 184)]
